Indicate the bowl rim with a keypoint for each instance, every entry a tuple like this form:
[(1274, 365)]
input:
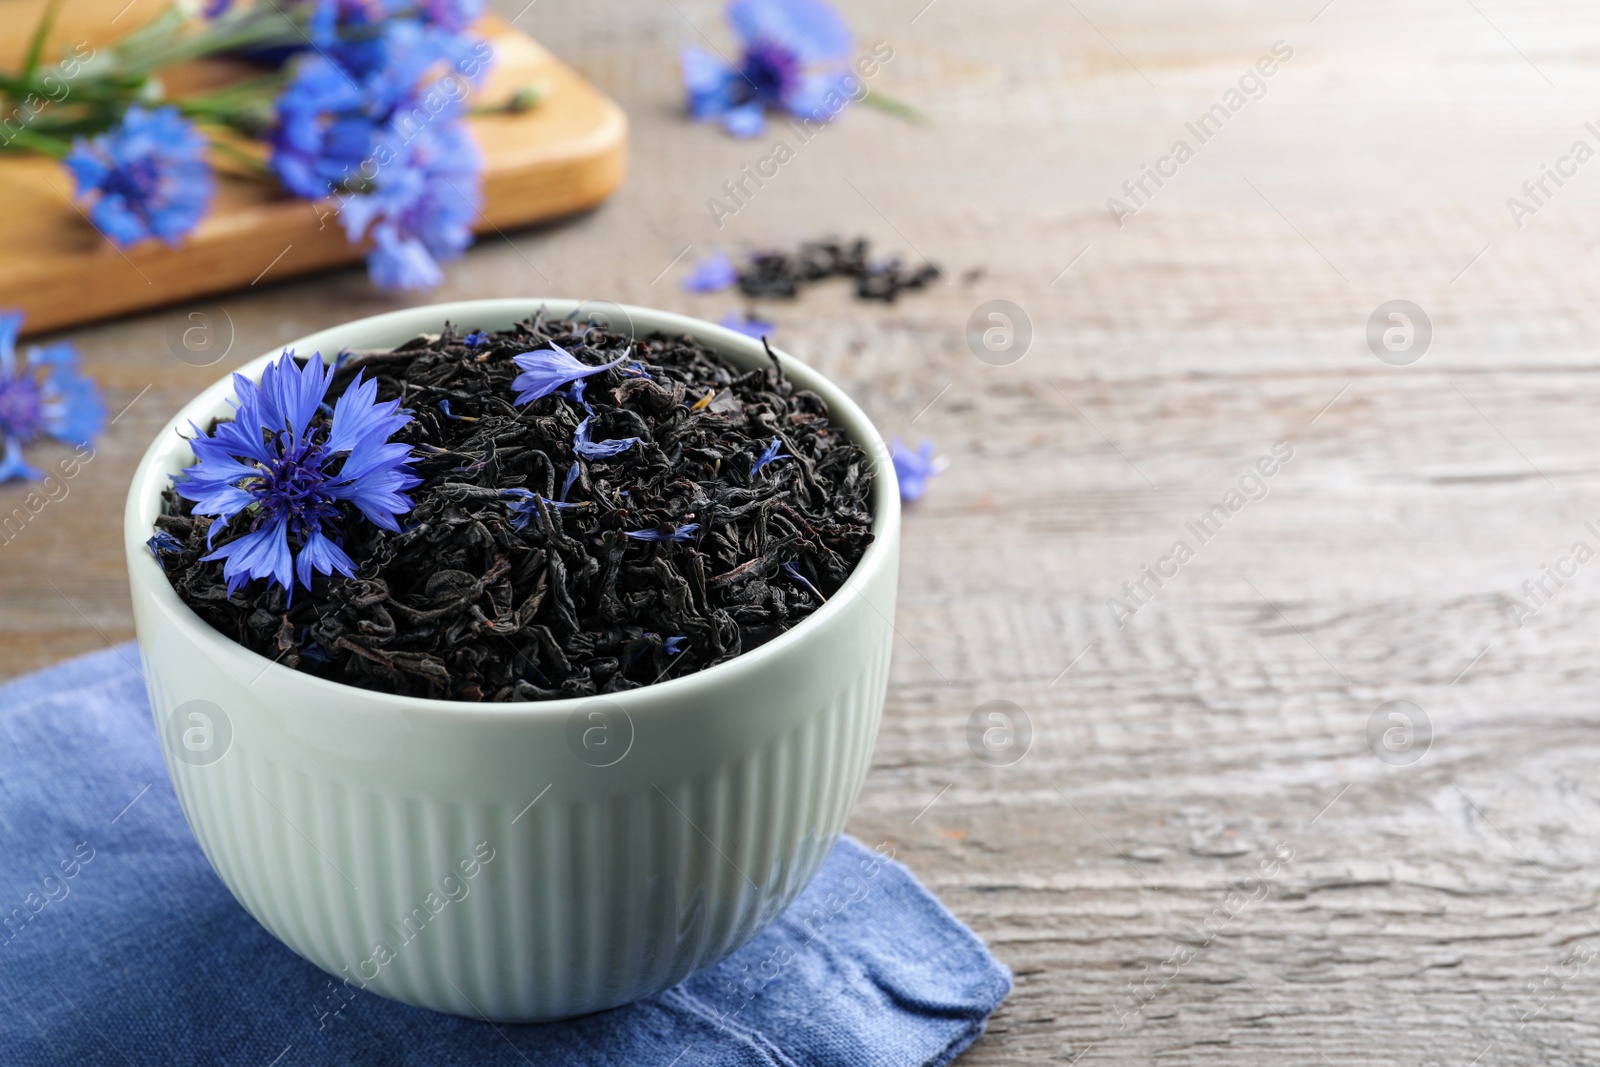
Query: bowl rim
[(147, 577)]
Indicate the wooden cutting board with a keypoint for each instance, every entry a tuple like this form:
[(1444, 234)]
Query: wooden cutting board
[(565, 155)]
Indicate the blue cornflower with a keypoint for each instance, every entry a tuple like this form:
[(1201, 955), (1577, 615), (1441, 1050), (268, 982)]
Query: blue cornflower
[(683, 533), (913, 469), (146, 177), (589, 448), (373, 123), (41, 395), (794, 57), (674, 645), (525, 505), (293, 477), (757, 328), (575, 393), (422, 212), (548, 369), (711, 274), (768, 454), (475, 339), (325, 128)]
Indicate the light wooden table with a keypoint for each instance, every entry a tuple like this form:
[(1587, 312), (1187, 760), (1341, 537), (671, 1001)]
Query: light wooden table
[(1229, 718)]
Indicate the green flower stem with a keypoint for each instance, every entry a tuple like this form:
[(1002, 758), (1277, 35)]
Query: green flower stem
[(171, 39), (891, 106), (26, 140), (245, 107), (252, 165), (101, 88), (40, 32)]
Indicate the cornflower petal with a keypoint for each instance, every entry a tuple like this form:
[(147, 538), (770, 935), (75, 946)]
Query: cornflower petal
[(746, 120), (401, 263), (261, 553), (547, 369), (293, 396), (768, 454), (756, 328), (794, 572), (683, 533), (711, 274), (162, 541), (322, 555), (588, 448), (708, 81), (358, 417), (12, 465), (525, 505), (812, 29), (913, 469), (10, 327)]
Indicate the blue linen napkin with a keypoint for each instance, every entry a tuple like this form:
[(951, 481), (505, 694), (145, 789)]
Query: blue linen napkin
[(119, 945)]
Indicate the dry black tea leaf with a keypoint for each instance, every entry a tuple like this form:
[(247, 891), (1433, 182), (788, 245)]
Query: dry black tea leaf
[(783, 274), (544, 556)]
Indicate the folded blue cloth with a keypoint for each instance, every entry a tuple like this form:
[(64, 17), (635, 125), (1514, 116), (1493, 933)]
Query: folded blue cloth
[(119, 945)]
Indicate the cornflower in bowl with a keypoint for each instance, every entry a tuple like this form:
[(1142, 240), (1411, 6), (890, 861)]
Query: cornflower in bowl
[(298, 479)]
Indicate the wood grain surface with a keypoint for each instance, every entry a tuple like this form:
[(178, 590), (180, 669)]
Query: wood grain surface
[(1433, 907), (565, 155)]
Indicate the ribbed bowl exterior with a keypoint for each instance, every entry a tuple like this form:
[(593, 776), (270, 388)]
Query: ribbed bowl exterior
[(518, 861)]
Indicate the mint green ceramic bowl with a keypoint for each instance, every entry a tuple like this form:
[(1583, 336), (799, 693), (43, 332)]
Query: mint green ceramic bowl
[(518, 861)]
